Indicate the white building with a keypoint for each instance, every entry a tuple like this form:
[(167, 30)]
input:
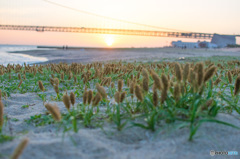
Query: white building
[(191, 45), (180, 44)]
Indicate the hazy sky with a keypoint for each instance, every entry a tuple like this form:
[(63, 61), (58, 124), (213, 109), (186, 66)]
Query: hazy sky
[(210, 16)]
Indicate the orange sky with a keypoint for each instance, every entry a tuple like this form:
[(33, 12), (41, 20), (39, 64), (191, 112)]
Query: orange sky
[(189, 15)]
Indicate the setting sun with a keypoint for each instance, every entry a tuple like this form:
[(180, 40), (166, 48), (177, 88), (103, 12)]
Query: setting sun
[(109, 40)]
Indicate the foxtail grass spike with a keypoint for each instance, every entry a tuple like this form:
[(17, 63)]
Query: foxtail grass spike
[(101, 90), (97, 99), (155, 98), (178, 71), (237, 86), (66, 101), (122, 96), (138, 93), (54, 110), (90, 96), (19, 150), (72, 98), (210, 72), (117, 97), (200, 74), (1, 114), (229, 77), (120, 85), (41, 87)]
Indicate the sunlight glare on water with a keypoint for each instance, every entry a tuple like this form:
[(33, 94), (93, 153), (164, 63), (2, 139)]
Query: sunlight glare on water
[(12, 58)]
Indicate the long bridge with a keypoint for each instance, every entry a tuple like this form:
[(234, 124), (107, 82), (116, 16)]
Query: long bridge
[(193, 35)]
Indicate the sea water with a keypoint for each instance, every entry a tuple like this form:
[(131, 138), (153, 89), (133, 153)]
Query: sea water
[(16, 58)]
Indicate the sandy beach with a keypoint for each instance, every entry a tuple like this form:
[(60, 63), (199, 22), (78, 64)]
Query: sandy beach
[(131, 54), (169, 141)]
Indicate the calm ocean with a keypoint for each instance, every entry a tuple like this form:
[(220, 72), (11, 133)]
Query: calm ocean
[(6, 57)]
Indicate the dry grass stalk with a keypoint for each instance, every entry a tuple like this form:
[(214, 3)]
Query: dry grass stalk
[(66, 101), (40, 84), (237, 86), (200, 74), (1, 114), (97, 99), (85, 96), (90, 96), (19, 150), (122, 96), (120, 85), (177, 91), (56, 81), (229, 77), (101, 90), (112, 85), (157, 80), (56, 89), (54, 110), (145, 84), (186, 72), (117, 97), (165, 82), (19, 76), (163, 96), (210, 72), (138, 93), (155, 98), (178, 72), (72, 98), (20, 83)]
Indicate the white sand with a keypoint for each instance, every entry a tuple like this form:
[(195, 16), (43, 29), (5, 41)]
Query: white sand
[(137, 143)]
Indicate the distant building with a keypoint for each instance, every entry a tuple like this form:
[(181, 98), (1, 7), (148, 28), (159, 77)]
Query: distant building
[(205, 44), (180, 44), (223, 40), (191, 45)]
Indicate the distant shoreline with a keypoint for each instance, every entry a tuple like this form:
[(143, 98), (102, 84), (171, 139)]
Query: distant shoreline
[(89, 55)]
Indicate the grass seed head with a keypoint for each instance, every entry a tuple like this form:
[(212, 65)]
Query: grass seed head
[(56, 89), (85, 97), (229, 74), (157, 80), (66, 101), (145, 84), (54, 110), (72, 98), (178, 71), (117, 97), (120, 85), (122, 96), (101, 90), (186, 72), (237, 86), (20, 83), (40, 84), (155, 98), (210, 72), (177, 91), (90, 96), (112, 85), (165, 82), (163, 96), (138, 93), (19, 150), (200, 74), (1, 114), (97, 99)]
